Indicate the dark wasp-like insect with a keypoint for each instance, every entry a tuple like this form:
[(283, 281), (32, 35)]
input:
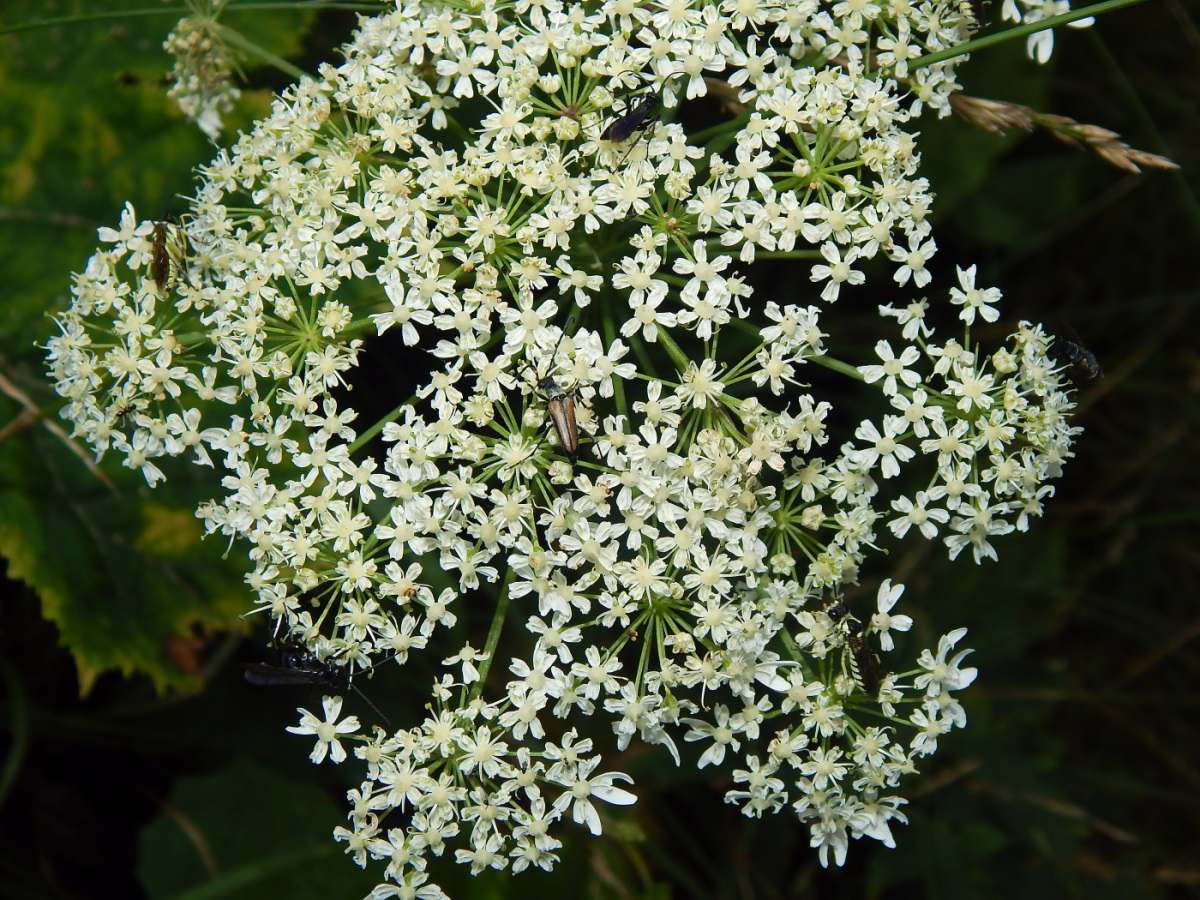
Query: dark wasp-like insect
[(860, 659), (301, 666), (633, 121), (297, 665)]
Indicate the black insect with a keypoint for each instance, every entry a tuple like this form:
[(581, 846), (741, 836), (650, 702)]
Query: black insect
[(979, 11), (863, 665), (298, 665), (634, 121), (124, 408), (1083, 359), (167, 251), (560, 404)]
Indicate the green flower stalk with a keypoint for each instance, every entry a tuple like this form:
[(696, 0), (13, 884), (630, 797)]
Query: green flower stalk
[(682, 573)]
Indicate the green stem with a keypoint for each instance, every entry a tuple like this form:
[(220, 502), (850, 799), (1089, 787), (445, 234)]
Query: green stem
[(493, 638), (237, 39), (309, 4), (1011, 34), (378, 426), (673, 350), (787, 254), (181, 11), (359, 325), (90, 17), (838, 366)]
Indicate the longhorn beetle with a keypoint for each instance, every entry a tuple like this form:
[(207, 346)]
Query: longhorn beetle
[(301, 666), (864, 667), (560, 404)]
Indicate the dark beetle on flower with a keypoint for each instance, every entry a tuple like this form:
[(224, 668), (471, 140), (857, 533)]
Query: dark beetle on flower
[(864, 666), (163, 255)]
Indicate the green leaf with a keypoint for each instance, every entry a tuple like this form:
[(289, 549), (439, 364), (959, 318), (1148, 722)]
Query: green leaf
[(124, 577), (248, 832), (87, 128)]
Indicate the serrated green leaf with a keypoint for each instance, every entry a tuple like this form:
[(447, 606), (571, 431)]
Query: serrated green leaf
[(121, 577), (87, 128)]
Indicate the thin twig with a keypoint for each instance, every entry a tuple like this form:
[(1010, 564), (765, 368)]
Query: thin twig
[(31, 414)]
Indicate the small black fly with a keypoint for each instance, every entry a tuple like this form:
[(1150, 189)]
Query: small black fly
[(1082, 359)]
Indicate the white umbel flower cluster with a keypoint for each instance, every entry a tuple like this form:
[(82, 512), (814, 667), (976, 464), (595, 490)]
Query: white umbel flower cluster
[(202, 77), (608, 438)]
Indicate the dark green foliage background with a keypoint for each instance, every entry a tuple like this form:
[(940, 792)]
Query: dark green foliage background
[(1078, 774)]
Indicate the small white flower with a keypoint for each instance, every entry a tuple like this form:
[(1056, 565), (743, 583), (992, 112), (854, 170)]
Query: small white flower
[(973, 300), (582, 788), (882, 622), (914, 260), (942, 674), (885, 449), (327, 732), (893, 367), (838, 272), (917, 513), (718, 731)]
